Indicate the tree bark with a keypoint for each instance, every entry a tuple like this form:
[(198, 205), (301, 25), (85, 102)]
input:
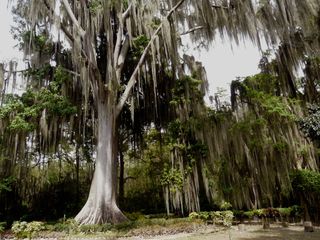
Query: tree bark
[(121, 178), (101, 206)]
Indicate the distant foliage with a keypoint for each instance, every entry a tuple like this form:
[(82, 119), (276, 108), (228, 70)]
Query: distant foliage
[(306, 181), (310, 125), (219, 217)]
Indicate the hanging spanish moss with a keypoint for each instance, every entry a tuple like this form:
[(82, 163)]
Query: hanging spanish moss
[(123, 56)]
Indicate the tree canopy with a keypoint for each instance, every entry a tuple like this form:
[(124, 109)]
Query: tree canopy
[(97, 68)]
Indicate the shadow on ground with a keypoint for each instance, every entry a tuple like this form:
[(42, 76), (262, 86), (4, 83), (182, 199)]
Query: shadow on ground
[(278, 233), (253, 233)]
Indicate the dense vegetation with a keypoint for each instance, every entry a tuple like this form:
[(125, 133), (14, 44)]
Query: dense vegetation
[(167, 151)]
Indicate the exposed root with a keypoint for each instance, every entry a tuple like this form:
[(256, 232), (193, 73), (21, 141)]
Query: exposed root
[(100, 215)]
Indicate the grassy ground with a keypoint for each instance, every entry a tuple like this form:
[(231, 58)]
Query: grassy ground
[(177, 228), (257, 233)]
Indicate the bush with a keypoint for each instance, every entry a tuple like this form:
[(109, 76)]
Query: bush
[(24, 229), (2, 227), (249, 214), (285, 212), (135, 216), (18, 228), (194, 215), (68, 226), (225, 205), (87, 229), (219, 217)]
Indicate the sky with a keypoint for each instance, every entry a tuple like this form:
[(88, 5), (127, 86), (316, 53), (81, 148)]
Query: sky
[(7, 50), (223, 63)]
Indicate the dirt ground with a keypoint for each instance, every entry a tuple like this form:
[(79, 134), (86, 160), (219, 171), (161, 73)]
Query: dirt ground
[(251, 232)]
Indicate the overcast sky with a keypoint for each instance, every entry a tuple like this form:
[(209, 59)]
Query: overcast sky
[(221, 62)]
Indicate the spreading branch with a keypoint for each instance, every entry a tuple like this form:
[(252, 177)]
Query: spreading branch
[(126, 14), (62, 27), (73, 18), (192, 30), (219, 6), (133, 77)]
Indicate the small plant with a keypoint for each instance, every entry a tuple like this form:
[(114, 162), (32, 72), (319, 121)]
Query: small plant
[(135, 216), (29, 230), (18, 228), (88, 229), (227, 217), (225, 205), (2, 227), (285, 212), (194, 215), (33, 228), (205, 215), (249, 214), (71, 225)]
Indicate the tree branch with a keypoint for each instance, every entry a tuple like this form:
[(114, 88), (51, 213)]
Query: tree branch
[(192, 30), (126, 14), (63, 28), (124, 97), (122, 57), (219, 6), (73, 18)]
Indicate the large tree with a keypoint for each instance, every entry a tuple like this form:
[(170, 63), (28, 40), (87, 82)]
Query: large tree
[(102, 35)]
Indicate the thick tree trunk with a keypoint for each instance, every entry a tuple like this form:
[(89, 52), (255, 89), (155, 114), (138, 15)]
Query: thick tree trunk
[(101, 205), (121, 178)]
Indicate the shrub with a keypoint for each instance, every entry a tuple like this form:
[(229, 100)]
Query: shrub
[(285, 212), (219, 217), (135, 216), (194, 215), (2, 227), (227, 217), (249, 214), (18, 228), (24, 229), (95, 228), (225, 205)]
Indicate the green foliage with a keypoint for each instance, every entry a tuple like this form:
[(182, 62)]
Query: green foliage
[(306, 181), (39, 74), (225, 205), (262, 82), (138, 46), (25, 111), (293, 211), (285, 212), (95, 6), (186, 90), (172, 177), (135, 216), (280, 146), (260, 90), (2, 227), (20, 124), (219, 217), (69, 226), (194, 215), (249, 214), (144, 170), (11, 105), (40, 41), (310, 125), (94, 228), (6, 184), (18, 228), (24, 229), (272, 105)]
